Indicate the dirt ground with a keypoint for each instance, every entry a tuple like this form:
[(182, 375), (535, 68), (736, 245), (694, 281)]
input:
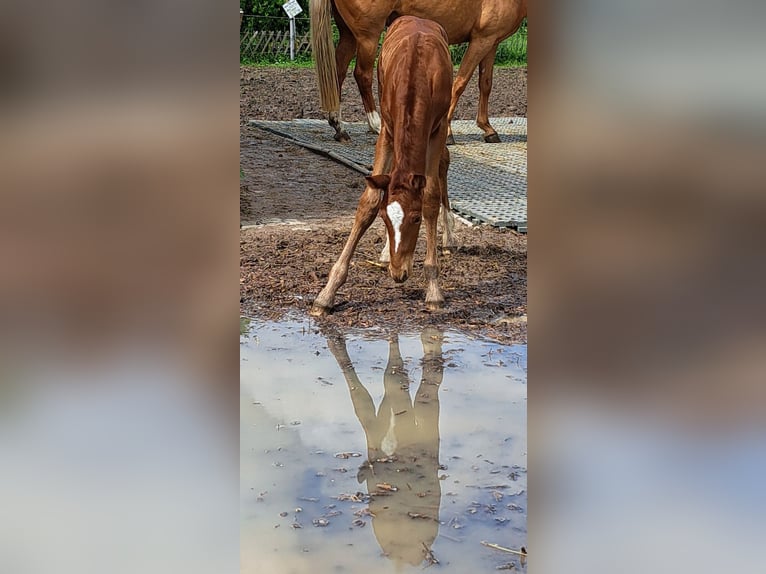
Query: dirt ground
[(296, 209)]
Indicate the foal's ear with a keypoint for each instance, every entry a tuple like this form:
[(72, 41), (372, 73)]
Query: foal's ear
[(379, 181), (418, 181)]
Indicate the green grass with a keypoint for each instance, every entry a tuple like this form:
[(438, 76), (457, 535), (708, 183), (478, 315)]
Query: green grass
[(278, 61), (507, 60), (511, 52)]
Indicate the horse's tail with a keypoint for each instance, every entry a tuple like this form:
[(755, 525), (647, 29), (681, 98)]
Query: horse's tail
[(324, 54)]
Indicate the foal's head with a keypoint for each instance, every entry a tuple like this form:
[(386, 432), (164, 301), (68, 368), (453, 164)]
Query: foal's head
[(401, 209)]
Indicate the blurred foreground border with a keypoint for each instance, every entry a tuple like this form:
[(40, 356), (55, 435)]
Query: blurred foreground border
[(646, 282), (118, 287)]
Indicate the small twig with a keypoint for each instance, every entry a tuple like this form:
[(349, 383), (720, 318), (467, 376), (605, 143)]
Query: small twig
[(429, 555), (376, 264), (504, 549)]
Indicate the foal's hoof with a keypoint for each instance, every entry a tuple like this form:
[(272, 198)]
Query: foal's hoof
[(450, 140), (318, 310), (342, 136), (434, 305), (492, 138)]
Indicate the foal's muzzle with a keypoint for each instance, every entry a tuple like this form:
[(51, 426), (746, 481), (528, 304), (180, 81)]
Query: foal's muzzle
[(398, 275)]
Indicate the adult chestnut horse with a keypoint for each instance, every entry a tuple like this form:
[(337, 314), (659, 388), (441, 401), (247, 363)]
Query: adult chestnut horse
[(481, 23), (409, 180)]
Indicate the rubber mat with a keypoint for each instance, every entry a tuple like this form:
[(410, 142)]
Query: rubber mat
[(487, 183)]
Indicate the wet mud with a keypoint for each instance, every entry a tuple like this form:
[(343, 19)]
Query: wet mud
[(297, 207)]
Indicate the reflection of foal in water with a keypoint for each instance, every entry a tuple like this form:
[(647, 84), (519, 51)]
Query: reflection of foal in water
[(402, 449)]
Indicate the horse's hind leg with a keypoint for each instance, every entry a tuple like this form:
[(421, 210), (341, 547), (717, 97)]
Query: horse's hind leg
[(475, 53), (448, 221), (365, 60), (448, 227), (486, 70), (365, 215), (344, 52)]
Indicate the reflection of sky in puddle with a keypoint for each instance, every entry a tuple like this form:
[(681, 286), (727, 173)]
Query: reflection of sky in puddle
[(299, 409)]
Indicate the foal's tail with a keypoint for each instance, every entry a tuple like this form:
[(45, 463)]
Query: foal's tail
[(324, 54)]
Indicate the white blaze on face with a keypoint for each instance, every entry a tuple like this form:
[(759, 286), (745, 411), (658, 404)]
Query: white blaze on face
[(396, 215)]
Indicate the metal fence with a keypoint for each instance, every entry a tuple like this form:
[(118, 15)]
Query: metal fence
[(270, 45), (267, 40)]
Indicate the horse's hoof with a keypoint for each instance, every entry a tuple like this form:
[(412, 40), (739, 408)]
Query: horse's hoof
[(342, 137), (318, 311), (450, 140), (492, 138), (434, 305)]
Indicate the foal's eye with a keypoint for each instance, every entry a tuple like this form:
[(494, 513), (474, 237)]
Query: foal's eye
[(415, 219)]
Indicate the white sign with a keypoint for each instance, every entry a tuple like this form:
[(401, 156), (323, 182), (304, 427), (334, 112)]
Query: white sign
[(292, 8)]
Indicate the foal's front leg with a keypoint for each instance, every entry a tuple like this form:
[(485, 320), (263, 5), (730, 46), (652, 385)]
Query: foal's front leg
[(365, 215)]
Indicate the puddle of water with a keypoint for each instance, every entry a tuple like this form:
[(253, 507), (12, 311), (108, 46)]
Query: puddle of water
[(382, 454)]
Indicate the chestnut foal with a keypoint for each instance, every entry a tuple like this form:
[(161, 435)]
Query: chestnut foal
[(409, 181)]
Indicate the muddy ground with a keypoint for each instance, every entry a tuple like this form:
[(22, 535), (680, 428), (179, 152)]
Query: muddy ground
[(296, 209)]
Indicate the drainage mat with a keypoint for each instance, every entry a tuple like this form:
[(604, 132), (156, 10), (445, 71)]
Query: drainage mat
[(487, 183)]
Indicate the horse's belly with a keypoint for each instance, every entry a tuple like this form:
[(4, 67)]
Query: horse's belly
[(457, 17)]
